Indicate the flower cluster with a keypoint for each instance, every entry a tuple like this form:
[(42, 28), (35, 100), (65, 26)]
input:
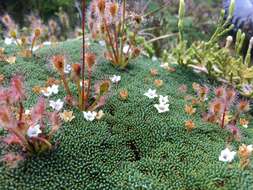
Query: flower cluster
[(163, 105), (108, 21), (92, 115), (83, 99), (32, 130), (28, 44), (224, 109)]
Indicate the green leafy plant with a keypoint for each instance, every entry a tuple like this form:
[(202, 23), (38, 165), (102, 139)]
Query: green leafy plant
[(224, 63), (182, 53)]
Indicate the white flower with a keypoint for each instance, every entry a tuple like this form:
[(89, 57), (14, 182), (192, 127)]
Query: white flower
[(27, 112), (115, 79), (47, 92), (85, 83), (47, 43), (33, 131), (164, 65), (161, 108), (250, 148), (56, 105), (8, 41), (247, 89), (154, 59), (163, 99), (67, 69), (35, 48), (90, 116), (100, 115), (51, 90), (151, 94), (226, 155), (126, 49), (54, 89), (102, 43)]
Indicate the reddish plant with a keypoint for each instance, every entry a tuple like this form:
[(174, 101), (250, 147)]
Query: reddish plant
[(84, 88), (108, 20), (28, 132), (25, 43), (84, 101), (221, 107)]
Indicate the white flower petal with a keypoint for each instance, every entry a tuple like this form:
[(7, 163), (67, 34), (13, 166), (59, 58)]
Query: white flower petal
[(47, 93), (27, 112), (54, 89), (162, 108), (163, 99), (247, 89), (126, 49), (8, 41), (102, 43), (115, 79), (226, 155), (164, 65), (154, 59), (34, 131), (90, 116), (35, 48), (47, 43), (250, 148), (151, 94), (67, 69), (56, 105)]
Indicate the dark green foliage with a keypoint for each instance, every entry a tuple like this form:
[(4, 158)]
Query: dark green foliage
[(199, 21), (132, 147)]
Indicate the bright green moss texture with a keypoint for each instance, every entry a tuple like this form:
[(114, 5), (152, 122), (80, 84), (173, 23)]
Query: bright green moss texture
[(133, 147)]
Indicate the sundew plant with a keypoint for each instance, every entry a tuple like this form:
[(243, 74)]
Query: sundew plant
[(101, 110), (111, 22)]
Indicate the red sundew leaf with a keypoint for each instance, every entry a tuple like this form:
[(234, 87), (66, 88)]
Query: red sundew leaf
[(17, 90), (11, 159), (38, 110), (235, 131), (217, 106), (55, 119), (4, 95), (6, 118), (220, 92), (12, 139), (100, 102)]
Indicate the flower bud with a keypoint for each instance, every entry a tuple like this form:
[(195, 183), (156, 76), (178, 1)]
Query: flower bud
[(90, 59), (59, 63), (114, 9), (101, 6)]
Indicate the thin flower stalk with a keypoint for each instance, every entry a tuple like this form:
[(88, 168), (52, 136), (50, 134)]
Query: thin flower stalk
[(83, 64)]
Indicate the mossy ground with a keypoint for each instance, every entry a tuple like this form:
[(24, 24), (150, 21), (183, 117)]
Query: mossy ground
[(133, 147)]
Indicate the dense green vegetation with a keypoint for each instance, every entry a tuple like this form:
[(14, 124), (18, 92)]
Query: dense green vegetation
[(133, 147)]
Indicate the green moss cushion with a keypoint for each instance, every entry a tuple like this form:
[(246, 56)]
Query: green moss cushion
[(133, 146)]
